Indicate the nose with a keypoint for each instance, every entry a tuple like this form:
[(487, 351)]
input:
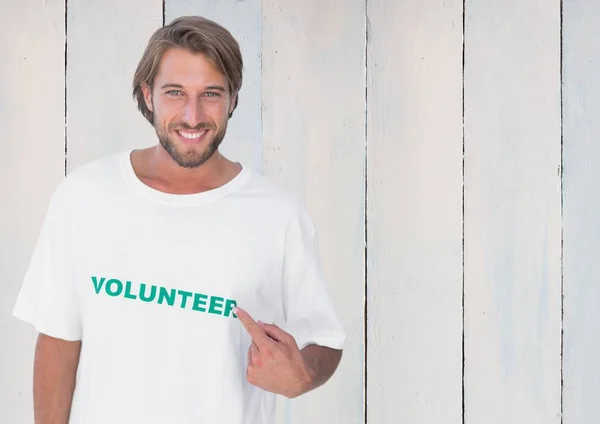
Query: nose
[(193, 113)]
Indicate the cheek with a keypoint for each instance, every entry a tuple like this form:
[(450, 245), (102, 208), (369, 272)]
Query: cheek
[(220, 111), (164, 112)]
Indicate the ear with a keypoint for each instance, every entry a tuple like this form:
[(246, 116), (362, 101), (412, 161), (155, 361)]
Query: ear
[(147, 91)]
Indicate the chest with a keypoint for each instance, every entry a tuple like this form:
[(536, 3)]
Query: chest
[(152, 275)]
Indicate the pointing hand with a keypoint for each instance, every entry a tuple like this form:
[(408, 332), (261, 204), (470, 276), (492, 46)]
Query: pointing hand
[(275, 362)]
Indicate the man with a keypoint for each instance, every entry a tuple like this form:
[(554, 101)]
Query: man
[(145, 255)]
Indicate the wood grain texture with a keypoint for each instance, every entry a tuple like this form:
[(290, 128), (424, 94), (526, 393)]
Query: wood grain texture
[(243, 142), (105, 42), (32, 164), (314, 146), (414, 212), (512, 212), (581, 160)]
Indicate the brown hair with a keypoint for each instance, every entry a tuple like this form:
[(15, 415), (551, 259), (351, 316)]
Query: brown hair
[(199, 36)]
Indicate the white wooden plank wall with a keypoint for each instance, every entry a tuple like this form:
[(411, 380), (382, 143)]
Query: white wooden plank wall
[(32, 140), (581, 161), (314, 145), (512, 212), (370, 136), (104, 45), (414, 214)]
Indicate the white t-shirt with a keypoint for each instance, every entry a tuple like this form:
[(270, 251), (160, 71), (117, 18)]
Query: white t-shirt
[(147, 280)]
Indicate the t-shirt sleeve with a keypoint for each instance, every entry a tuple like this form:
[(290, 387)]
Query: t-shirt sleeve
[(310, 315), (47, 298)]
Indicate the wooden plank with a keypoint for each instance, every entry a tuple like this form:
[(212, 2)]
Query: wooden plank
[(414, 212), (314, 146), (512, 212), (243, 142), (32, 114), (105, 42), (581, 160)]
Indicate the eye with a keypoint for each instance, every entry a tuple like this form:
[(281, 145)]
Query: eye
[(211, 94), (174, 93)]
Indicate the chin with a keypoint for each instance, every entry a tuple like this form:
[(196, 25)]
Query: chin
[(192, 157)]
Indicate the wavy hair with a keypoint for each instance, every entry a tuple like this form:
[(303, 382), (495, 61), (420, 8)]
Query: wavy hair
[(198, 35)]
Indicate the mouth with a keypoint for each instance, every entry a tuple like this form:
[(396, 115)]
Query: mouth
[(192, 136)]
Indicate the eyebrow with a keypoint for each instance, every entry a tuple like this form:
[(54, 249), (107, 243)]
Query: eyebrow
[(171, 85), (210, 87), (216, 87)]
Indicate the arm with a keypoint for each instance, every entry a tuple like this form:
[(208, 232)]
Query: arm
[(54, 370), (321, 363)]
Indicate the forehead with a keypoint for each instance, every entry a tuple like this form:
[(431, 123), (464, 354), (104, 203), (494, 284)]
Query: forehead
[(180, 66)]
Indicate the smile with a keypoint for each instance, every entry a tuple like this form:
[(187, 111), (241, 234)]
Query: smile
[(191, 135)]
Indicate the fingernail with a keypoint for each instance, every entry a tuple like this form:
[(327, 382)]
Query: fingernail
[(260, 322), (235, 310)]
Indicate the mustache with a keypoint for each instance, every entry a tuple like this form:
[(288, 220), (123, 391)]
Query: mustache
[(183, 126)]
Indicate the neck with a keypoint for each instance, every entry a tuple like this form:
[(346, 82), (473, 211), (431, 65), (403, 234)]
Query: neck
[(156, 168)]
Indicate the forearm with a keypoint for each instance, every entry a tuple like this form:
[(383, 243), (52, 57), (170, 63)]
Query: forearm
[(321, 362), (54, 370)]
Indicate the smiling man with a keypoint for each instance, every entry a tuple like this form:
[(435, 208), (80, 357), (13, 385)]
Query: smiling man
[(157, 269)]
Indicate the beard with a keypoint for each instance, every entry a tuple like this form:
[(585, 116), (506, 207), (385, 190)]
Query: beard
[(190, 158)]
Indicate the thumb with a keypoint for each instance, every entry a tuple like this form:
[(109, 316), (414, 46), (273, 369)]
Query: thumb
[(276, 333)]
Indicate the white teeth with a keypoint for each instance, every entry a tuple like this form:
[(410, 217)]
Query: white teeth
[(191, 136)]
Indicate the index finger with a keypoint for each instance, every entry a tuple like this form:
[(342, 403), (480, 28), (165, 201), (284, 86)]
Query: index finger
[(256, 333)]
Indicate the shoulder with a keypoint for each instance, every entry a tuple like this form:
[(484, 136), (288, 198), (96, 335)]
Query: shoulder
[(277, 203), (106, 171), (272, 196), (102, 168)]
